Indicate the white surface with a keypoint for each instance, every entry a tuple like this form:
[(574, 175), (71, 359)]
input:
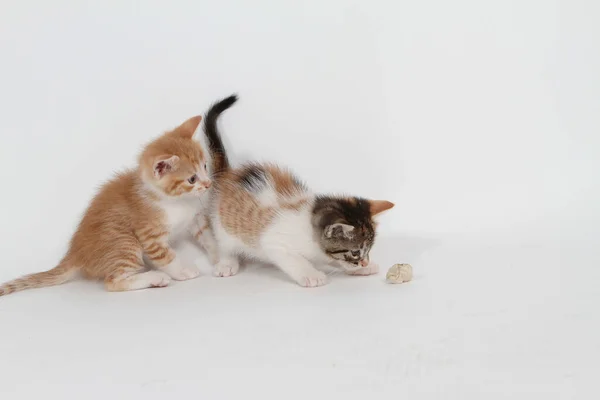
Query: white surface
[(479, 320), (479, 119)]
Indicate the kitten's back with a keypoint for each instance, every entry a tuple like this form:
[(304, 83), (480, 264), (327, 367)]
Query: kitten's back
[(250, 197)]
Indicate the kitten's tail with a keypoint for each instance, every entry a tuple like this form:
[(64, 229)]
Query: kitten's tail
[(220, 162), (56, 276)]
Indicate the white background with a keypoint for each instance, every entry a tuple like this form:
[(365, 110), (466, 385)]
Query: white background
[(479, 119)]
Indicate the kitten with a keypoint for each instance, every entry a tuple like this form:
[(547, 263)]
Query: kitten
[(265, 212), (134, 218)]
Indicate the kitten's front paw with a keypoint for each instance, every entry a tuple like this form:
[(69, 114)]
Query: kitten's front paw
[(370, 269), (182, 273), (158, 279), (312, 279), (226, 268)]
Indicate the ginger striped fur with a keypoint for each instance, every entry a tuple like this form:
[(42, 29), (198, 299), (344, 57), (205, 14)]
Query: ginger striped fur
[(135, 217)]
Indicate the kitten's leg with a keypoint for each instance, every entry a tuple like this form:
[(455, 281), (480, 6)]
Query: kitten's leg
[(164, 257), (123, 268), (203, 234), (298, 268), (229, 263)]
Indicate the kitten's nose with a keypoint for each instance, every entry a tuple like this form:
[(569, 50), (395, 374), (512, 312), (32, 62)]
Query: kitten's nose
[(364, 263), (206, 183)]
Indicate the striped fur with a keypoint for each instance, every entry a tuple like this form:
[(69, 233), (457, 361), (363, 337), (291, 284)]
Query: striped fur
[(134, 217)]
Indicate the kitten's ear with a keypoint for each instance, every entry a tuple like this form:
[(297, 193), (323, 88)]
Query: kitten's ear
[(164, 164), (379, 206), (340, 231), (188, 128)]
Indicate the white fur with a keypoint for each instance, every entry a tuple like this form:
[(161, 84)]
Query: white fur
[(292, 232), (180, 213), (267, 197), (288, 243)]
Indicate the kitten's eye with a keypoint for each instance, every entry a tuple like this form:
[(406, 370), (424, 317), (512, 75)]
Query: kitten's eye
[(205, 167), (355, 253), (192, 179)]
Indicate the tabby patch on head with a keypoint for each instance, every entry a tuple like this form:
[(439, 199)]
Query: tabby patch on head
[(346, 227)]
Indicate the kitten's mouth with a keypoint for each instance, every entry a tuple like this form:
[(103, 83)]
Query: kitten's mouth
[(348, 266)]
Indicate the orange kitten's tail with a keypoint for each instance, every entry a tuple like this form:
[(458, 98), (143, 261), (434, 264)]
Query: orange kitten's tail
[(56, 276), (220, 162)]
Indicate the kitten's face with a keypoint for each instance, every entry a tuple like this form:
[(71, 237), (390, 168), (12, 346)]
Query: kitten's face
[(181, 177), (176, 163), (347, 228), (349, 243)]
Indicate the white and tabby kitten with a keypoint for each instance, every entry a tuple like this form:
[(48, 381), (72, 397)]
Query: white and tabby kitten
[(265, 212)]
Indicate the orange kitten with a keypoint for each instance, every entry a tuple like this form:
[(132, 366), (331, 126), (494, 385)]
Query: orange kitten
[(134, 218)]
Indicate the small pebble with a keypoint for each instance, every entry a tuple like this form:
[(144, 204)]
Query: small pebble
[(399, 273)]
